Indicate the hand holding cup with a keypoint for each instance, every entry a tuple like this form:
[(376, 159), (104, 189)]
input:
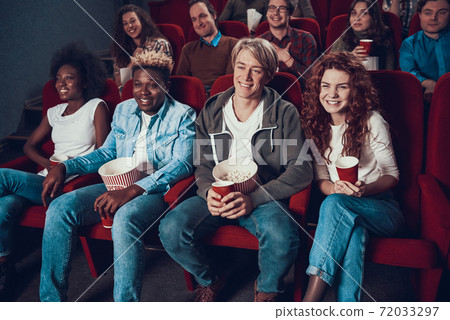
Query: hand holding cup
[(366, 44)]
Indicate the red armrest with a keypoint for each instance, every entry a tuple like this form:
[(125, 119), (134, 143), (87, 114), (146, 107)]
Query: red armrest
[(23, 163), (180, 191), (298, 204), (82, 181), (434, 202)]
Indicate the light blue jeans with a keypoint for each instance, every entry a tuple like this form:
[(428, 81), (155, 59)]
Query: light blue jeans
[(337, 255), (183, 227), (18, 189), (75, 209)]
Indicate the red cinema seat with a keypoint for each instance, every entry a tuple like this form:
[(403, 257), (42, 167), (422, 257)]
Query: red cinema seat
[(435, 185), (175, 36)]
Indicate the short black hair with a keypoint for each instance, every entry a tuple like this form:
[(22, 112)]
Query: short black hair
[(92, 70)]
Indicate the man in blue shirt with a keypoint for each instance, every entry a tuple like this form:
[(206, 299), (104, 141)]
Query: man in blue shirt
[(426, 54), (157, 132)]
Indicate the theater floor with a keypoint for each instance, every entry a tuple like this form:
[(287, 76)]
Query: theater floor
[(164, 280)]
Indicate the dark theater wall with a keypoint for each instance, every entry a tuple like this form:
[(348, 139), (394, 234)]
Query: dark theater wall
[(30, 32)]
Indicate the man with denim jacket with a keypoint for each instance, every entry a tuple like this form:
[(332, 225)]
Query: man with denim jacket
[(157, 132), (248, 121)]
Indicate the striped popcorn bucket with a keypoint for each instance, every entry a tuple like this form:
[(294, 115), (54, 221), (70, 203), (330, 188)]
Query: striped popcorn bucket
[(119, 173), (241, 165)]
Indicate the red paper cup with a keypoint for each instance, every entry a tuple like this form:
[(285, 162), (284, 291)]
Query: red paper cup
[(107, 223), (57, 158), (223, 187), (366, 43), (347, 169)]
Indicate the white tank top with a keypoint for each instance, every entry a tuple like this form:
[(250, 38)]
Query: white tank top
[(74, 134)]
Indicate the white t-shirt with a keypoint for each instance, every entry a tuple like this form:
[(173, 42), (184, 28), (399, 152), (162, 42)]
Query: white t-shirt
[(242, 132), (377, 155), (74, 134), (140, 154)]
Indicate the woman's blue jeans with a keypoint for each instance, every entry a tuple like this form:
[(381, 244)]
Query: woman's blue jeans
[(342, 235), (277, 233), (18, 189), (75, 209)]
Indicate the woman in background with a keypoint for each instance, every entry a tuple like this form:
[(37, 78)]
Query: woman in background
[(366, 22), (134, 28)]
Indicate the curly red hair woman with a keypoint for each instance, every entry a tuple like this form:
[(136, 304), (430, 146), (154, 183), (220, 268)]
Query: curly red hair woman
[(316, 120), (341, 116)]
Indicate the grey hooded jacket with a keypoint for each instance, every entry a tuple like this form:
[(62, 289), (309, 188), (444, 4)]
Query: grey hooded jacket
[(276, 148)]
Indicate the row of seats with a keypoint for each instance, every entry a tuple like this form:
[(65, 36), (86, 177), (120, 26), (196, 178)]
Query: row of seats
[(423, 193)]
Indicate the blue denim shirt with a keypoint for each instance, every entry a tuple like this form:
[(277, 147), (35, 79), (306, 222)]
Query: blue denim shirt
[(170, 139), (424, 57)]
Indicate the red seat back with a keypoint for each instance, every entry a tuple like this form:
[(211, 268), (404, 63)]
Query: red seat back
[(335, 29), (175, 36), (402, 101), (393, 21), (322, 11), (284, 83), (171, 11), (235, 29), (306, 24), (438, 136), (185, 89), (338, 7), (414, 25)]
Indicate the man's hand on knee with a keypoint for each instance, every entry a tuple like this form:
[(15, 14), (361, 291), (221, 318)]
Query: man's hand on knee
[(109, 202)]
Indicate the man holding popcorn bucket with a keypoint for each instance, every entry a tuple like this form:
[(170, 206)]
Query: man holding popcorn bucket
[(245, 124), (156, 133)]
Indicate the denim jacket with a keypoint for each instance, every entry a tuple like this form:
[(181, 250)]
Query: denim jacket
[(169, 144)]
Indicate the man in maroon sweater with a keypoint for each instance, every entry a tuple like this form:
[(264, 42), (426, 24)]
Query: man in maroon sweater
[(209, 57)]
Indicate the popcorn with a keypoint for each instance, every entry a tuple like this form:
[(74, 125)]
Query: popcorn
[(237, 176)]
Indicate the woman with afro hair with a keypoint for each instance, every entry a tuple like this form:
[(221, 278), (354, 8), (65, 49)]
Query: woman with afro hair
[(76, 127)]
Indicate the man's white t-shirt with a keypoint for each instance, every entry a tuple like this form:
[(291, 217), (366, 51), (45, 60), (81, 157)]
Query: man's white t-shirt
[(242, 132)]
